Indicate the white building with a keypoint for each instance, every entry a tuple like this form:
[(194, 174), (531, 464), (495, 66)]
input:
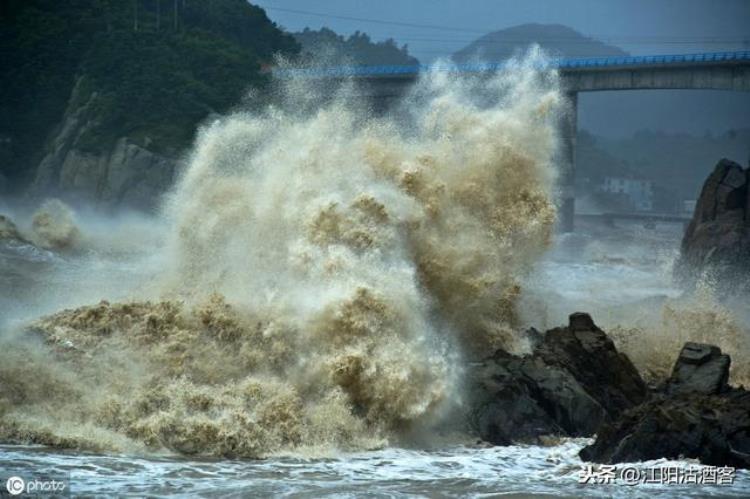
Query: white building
[(640, 192)]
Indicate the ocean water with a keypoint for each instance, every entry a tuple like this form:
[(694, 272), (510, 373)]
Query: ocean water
[(455, 471)]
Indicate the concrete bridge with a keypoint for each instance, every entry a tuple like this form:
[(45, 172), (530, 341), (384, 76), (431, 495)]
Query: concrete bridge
[(708, 71)]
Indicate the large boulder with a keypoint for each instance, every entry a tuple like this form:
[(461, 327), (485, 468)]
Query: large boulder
[(696, 416), (717, 241), (522, 398), (700, 368), (573, 382)]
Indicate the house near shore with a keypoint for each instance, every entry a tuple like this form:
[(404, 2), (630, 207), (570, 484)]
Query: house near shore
[(639, 192)]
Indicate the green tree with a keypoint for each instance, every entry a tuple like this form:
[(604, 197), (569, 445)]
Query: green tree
[(357, 48)]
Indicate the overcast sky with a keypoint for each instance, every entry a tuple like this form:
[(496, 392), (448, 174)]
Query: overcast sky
[(637, 26)]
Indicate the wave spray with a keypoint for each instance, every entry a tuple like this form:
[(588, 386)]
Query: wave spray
[(328, 272)]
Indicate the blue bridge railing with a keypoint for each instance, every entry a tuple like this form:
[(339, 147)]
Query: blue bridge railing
[(592, 62)]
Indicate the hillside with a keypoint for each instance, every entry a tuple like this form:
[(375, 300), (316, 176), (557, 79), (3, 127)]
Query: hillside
[(358, 48), (86, 80), (558, 40)]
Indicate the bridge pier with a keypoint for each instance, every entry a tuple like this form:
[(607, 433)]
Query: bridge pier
[(569, 131)]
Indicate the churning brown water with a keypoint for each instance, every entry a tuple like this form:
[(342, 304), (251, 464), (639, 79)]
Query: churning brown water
[(309, 294), (325, 272)]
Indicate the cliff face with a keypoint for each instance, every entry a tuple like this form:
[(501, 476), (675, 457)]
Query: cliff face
[(121, 174), (717, 241)]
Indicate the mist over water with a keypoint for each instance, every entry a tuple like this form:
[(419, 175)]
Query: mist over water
[(322, 277)]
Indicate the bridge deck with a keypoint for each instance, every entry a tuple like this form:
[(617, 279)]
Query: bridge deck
[(712, 58)]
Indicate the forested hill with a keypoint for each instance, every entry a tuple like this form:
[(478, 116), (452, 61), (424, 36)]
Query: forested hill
[(148, 70), (358, 48), (554, 38)]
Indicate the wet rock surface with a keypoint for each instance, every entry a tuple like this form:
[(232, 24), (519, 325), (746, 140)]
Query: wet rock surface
[(700, 368), (715, 429), (717, 241), (574, 381), (590, 356), (695, 415)]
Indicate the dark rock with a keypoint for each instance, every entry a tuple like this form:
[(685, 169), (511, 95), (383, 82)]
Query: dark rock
[(591, 357), (700, 368), (574, 381), (580, 321), (696, 416), (717, 241), (714, 429), (523, 398)]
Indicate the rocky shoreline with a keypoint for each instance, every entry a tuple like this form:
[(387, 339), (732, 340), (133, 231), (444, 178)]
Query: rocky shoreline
[(575, 383)]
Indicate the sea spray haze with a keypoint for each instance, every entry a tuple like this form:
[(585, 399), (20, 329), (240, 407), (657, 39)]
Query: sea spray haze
[(327, 273)]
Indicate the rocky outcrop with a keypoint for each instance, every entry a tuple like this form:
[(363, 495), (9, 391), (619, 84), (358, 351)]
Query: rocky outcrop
[(696, 415), (574, 381), (591, 357), (123, 174), (9, 231), (717, 240)]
